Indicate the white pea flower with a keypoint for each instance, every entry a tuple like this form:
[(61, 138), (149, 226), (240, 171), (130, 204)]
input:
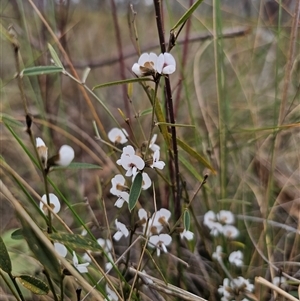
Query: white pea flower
[(146, 64), (105, 244), (130, 161), (146, 181), (218, 254), (42, 150), (160, 242), (117, 189), (121, 231), (111, 295), (117, 135), (225, 217), (60, 249), (279, 281), (152, 144), (236, 258), (188, 235), (225, 290), (210, 220), (161, 218), (54, 203), (166, 63), (156, 163), (230, 231), (65, 155), (81, 267), (242, 284)]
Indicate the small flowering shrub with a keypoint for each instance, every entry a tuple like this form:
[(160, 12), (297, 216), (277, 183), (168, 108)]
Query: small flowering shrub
[(155, 198)]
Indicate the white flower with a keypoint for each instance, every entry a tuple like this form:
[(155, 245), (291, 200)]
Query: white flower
[(146, 181), (81, 267), (230, 231), (122, 231), (42, 150), (156, 163), (117, 135), (236, 258), (279, 281), (65, 155), (146, 65), (166, 63), (225, 290), (186, 234), (161, 218), (117, 189), (60, 249), (54, 203), (130, 161), (225, 217), (160, 242), (111, 295), (105, 244), (242, 284), (210, 220), (152, 144), (218, 254), (86, 257)]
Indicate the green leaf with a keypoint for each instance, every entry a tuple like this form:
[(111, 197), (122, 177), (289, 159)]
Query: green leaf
[(40, 70), (135, 191), (191, 168), (10, 120), (76, 241), (194, 154), (55, 57), (187, 14), (122, 82), (146, 112), (17, 234), (5, 262), (41, 251), (187, 220), (79, 165), (33, 284)]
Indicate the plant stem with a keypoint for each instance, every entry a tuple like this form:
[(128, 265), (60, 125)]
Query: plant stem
[(121, 56), (13, 279), (170, 113)]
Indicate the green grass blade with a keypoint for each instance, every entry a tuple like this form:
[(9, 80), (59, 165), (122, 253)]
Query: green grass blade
[(40, 70)]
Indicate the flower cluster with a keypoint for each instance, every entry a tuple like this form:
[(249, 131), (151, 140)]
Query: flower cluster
[(221, 223), (235, 287), (132, 163), (152, 226), (151, 64)]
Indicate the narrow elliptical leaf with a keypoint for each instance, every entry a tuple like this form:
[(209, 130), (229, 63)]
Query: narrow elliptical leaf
[(135, 191), (5, 262), (33, 284)]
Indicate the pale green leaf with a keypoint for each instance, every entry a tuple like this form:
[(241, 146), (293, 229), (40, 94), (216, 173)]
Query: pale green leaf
[(187, 220), (195, 154), (122, 82), (187, 14), (55, 57), (40, 70)]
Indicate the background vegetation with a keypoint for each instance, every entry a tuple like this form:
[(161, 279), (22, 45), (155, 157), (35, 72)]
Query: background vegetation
[(236, 90)]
